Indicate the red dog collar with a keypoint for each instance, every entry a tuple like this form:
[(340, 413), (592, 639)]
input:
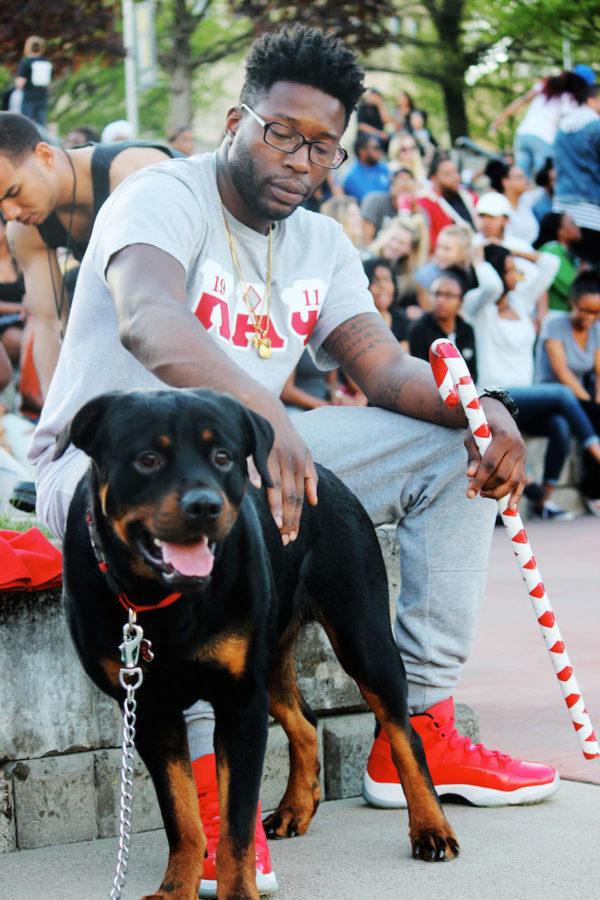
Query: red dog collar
[(127, 604), (122, 597)]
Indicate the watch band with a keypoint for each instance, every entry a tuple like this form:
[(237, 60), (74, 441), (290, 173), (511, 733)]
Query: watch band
[(504, 398)]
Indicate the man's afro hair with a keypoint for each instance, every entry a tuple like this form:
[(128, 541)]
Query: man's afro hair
[(303, 55)]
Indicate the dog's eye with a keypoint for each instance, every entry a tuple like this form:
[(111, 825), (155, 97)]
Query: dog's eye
[(148, 462), (221, 458)]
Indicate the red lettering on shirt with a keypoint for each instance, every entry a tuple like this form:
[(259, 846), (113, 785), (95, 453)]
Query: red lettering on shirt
[(205, 313), (244, 331), (303, 323), (307, 297)]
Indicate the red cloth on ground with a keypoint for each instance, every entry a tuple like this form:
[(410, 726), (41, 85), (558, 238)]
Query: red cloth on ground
[(28, 561)]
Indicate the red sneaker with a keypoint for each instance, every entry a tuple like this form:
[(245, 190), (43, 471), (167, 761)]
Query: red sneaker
[(205, 775), (483, 777)]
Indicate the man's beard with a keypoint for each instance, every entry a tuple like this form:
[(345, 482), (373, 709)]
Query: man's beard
[(250, 185)]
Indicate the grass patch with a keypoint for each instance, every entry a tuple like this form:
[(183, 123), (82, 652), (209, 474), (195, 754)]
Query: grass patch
[(8, 522)]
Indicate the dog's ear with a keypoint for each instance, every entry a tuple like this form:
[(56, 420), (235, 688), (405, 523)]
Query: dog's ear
[(82, 428), (259, 436)]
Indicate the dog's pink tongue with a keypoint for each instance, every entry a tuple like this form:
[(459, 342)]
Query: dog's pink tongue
[(194, 560)]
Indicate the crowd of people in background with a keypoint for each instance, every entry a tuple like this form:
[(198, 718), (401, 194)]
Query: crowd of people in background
[(505, 265)]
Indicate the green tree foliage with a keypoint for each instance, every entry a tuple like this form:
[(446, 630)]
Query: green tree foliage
[(537, 28), (463, 59)]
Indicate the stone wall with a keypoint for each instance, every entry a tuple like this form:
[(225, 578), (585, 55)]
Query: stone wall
[(60, 737)]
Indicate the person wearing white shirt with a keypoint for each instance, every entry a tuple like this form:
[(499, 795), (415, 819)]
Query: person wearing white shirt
[(504, 339), (536, 270)]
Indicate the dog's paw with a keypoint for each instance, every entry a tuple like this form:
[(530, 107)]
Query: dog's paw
[(433, 846), (285, 823)]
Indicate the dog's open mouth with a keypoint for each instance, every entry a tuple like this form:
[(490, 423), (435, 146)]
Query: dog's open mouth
[(193, 560)]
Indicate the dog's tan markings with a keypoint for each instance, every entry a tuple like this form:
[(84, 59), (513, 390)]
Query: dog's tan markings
[(168, 507), (228, 650), (134, 514), (236, 866), (166, 516), (141, 569), (103, 494), (164, 440), (301, 798), (226, 520), (111, 668), (428, 826), (184, 869), (207, 435)]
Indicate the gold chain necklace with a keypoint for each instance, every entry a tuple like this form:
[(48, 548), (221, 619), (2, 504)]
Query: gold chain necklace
[(260, 339)]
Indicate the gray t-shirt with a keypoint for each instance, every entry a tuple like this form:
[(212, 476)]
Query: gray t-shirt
[(318, 282), (557, 326)]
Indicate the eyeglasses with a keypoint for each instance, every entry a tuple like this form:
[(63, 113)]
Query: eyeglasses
[(321, 153), (448, 294), (595, 313)]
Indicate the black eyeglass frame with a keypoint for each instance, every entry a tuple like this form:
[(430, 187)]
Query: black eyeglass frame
[(301, 140)]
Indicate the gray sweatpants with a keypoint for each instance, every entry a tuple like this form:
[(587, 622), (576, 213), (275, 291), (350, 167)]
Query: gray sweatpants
[(412, 474)]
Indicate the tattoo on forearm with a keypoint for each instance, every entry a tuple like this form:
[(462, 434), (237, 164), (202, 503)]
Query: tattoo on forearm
[(353, 339)]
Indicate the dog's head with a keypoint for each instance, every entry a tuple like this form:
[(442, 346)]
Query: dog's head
[(171, 472)]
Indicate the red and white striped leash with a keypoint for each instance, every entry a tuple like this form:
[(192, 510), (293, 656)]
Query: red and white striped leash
[(456, 386)]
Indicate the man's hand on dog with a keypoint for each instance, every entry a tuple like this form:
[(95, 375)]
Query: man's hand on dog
[(501, 471), (293, 475)]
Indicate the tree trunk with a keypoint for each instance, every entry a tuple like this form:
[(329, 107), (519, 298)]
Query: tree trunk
[(177, 64), (447, 16), (456, 111), (181, 107)]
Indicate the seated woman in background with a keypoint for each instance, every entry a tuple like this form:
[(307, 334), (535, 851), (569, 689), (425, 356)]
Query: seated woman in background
[(418, 127), (404, 153), (568, 353), (346, 211), (504, 337), (401, 244), (445, 320), (380, 275), (559, 236)]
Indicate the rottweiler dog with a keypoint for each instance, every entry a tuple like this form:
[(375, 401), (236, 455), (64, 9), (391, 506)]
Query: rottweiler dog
[(166, 509)]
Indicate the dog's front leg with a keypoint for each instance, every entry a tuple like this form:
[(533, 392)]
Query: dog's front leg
[(241, 727), (161, 741)]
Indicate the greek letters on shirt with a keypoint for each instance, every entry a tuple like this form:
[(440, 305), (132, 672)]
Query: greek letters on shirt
[(220, 308)]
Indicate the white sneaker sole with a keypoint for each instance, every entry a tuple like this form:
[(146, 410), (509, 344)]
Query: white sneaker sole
[(391, 796), (266, 884)]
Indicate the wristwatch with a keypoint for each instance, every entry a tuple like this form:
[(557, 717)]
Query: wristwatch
[(504, 398)]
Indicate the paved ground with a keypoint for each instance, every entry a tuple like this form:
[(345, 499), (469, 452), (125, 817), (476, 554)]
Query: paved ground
[(352, 852), (509, 678)]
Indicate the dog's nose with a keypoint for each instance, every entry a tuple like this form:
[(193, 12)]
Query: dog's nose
[(201, 504)]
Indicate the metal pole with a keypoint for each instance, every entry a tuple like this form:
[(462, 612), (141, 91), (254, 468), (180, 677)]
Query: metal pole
[(131, 99)]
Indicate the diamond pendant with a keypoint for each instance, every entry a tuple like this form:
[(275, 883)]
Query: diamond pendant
[(264, 348)]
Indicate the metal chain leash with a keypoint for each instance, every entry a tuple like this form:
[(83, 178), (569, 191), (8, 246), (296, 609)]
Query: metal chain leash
[(130, 679)]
